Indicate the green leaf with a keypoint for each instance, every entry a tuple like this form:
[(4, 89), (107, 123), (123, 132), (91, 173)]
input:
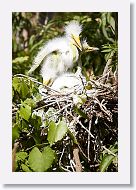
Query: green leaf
[(106, 50), (15, 132), (25, 168), (20, 59), (16, 84), (36, 121), (56, 132), (61, 130), (112, 22), (25, 111), (21, 156), (51, 132), (24, 89), (30, 102), (106, 161), (35, 160), (40, 162), (48, 157), (20, 85), (12, 93), (108, 158), (80, 112)]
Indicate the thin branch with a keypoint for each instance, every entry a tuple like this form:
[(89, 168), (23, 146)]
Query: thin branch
[(109, 151), (78, 165), (88, 146)]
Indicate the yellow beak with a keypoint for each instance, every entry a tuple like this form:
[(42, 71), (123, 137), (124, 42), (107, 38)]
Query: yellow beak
[(47, 82), (77, 42)]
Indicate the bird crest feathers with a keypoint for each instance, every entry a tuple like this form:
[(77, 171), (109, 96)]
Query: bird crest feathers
[(73, 28)]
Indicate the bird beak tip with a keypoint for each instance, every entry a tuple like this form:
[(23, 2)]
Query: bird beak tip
[(93, 49)]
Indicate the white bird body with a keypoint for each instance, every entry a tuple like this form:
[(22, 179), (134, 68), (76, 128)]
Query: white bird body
[(59, 60), (70, 82), (59, 54)]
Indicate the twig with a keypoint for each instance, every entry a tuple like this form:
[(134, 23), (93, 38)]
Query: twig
[(14, 156), (88, 146), (60, 161), (107, 66), (77, 120), (76, 158), (109, 151), (37, 145)]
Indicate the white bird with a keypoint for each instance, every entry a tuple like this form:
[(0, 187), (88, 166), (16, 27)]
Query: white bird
[(70, 82), (59, 54)]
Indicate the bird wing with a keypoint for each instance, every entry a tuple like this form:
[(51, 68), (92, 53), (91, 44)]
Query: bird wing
[(51, 46)]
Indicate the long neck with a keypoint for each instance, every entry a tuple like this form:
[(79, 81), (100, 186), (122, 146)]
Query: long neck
[(74, 52)]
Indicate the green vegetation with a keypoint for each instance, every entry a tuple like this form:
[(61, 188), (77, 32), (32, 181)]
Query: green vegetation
[(46, 131)]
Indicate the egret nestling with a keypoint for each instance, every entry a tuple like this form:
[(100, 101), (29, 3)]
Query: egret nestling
[(73, 82), (59, 54), (70, 82)]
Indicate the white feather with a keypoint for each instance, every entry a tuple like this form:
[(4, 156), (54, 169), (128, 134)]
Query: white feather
[(73, 28), (69, 82), (63, 46)]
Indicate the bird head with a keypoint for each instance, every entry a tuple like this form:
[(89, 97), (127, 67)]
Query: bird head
[(87, 48), (72, 31)]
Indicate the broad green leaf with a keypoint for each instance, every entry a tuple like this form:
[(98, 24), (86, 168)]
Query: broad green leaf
[(35, 160), (48, 157), (112, 23), (16, 84), (15, 132), (30, 102), (51, 132), (25, 111), (25, 168), (24, 89), (61, 130), (21, 156), (40, 162)]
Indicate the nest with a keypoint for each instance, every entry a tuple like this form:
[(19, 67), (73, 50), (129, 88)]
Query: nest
[(92, 122)]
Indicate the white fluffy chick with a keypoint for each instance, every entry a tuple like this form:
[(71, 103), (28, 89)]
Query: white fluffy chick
[(59, 54), (70, 82)]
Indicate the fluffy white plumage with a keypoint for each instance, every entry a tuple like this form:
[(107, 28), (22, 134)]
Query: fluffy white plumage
[(70, 82), (73, 28), (59, 54)]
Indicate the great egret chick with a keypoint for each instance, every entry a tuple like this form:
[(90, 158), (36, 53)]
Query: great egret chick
[(70, 82), (59, 54)]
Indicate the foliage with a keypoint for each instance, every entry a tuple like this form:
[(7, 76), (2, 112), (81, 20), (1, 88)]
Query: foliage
[(46, 134)]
